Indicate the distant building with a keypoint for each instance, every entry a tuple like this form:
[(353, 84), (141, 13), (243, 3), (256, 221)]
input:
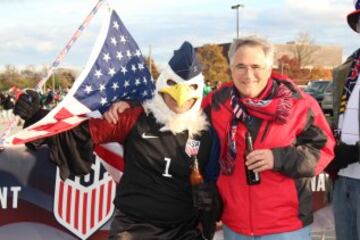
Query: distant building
[(326, 56)]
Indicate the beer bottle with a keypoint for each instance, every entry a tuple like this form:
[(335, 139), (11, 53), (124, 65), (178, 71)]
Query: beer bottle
[(252, 177)]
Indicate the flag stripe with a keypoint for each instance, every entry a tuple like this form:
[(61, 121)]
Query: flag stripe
[(63, 114), (113, 159), (76, 210), (68, 205), (109, 201), (93, 204), (101, 197), (84, 213), (61, 192)]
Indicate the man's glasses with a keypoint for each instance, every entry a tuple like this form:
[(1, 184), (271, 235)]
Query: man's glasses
[(242, 69)]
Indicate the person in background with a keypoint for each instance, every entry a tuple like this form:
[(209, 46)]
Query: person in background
[(207, 88), (346, 195)]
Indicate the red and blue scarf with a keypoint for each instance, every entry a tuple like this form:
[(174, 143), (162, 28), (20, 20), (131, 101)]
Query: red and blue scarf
[(273, 104)]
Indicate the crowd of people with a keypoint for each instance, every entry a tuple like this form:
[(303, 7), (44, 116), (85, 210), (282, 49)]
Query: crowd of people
[(243, 152), (48, 100)]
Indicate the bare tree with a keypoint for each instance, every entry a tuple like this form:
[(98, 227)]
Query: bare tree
[(304, 49)]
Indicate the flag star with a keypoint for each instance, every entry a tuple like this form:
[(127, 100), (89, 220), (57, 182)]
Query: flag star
[(114, 99), (133, 91), (122, 39), (144, 80), (123, 70), (144, 94), (113, 41), (133, 68), (115, 86), (119, 55), (138, 53), (115, 25), (137, 82), (106, 57), (111, 71), (103, 101), (98, 73), (88, 89), (195, 69), (126, 84), (102, 87), (128, 53), (141, 66)]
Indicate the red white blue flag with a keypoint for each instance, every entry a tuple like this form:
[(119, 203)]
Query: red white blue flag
[(116, 70)]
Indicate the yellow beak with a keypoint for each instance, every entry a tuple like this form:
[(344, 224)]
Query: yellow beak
[(180, 92)]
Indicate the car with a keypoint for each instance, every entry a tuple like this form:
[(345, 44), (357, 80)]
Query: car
[(327, 102), (316, 88)]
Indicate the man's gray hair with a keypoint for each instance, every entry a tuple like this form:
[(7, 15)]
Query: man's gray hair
[(252, 41)]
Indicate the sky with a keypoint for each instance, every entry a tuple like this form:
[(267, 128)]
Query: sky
[(33, 32)]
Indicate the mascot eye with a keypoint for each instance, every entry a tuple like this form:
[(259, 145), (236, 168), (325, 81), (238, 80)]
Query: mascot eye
[(193, 86), (171, 82)]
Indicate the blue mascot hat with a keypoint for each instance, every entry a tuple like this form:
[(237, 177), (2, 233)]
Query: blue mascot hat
[(353, 17), (184, 62)]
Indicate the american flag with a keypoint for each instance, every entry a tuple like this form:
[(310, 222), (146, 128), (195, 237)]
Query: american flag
[(116, 70)]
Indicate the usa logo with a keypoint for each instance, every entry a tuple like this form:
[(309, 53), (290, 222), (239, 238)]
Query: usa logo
[(84, 204), (192, 147)]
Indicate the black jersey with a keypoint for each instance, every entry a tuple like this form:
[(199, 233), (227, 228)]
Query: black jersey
[(155, 185)]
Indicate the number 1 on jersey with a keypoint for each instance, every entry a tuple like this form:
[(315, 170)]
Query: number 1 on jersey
[(166, 173)]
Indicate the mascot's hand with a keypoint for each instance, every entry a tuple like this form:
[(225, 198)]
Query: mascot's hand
[(27, 105), (112, 114), (207, 200)]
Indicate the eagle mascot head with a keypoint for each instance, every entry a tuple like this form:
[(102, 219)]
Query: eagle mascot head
[(178, 94)]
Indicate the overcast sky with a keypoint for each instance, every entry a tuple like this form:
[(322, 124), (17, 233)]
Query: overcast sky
[(34, 31)]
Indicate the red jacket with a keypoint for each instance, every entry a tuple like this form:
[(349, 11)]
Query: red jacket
[(302, 148)]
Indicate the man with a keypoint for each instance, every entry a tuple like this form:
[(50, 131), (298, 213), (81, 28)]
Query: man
[(292, 141), (346, 197), (167, 141)]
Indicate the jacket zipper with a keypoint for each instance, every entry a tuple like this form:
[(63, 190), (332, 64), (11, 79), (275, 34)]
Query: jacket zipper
[(250, 216), (266, 130)]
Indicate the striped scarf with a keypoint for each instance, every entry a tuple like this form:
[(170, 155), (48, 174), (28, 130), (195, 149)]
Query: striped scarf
[(276, 109), (350, 80)]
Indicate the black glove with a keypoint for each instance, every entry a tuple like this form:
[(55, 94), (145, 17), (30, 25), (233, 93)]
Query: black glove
[(207, 200), (344, 155), (27, 105)]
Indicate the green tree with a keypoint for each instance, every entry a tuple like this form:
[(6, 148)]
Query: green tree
[(214, 65)]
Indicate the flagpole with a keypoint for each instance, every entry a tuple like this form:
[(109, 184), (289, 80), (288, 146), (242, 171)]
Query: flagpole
[(69, 44), (150, 60)]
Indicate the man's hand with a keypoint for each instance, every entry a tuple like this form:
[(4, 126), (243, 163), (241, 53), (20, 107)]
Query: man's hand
[(27, 105), (111, 115), (260, 160)]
